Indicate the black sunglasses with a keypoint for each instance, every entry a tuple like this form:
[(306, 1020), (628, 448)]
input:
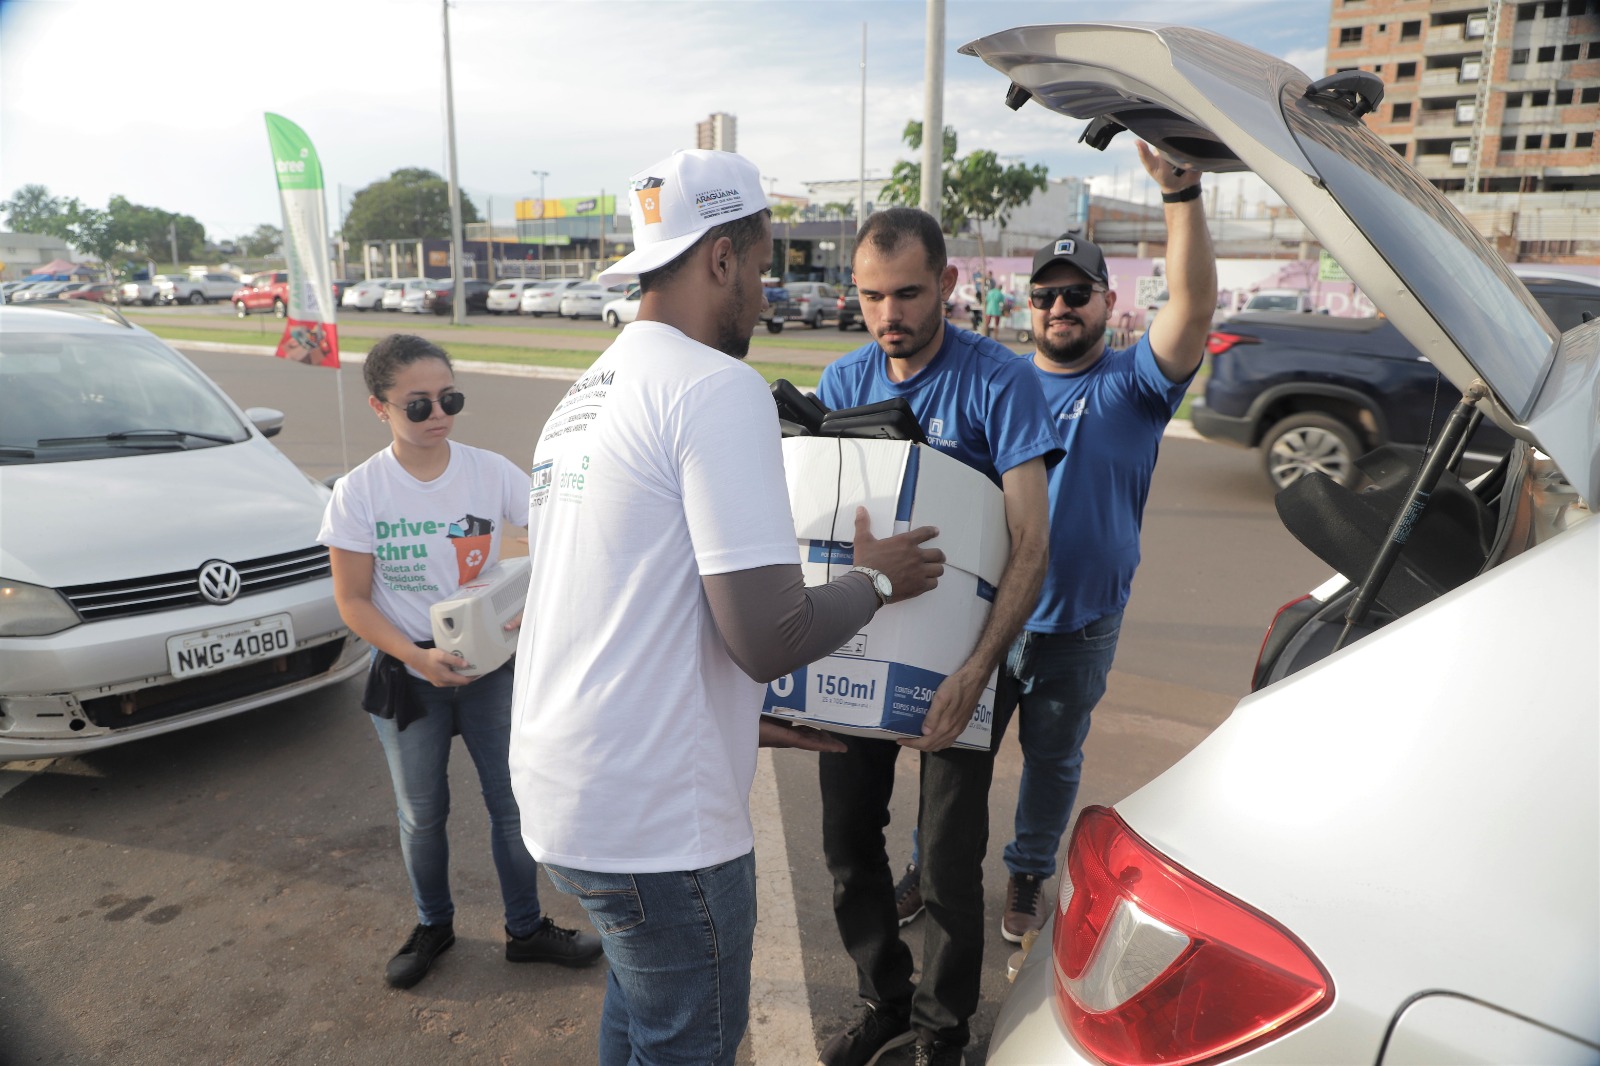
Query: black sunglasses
[(419, 409), (1075, 295)]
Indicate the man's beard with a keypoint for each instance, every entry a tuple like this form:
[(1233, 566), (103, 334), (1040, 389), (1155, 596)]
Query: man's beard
[(1071, 351), (919, 336), (732, 338)]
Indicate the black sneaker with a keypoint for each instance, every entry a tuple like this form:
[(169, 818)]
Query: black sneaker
[(412, 962), (936, 1053), (908, 894), (550, 943), (876, 1031)]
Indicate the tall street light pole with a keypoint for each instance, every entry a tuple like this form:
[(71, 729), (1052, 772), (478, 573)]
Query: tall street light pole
[(543, 232), (459, 289), (861, 180), (933, 112)]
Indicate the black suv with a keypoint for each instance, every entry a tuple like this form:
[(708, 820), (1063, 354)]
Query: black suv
[(1313, 392)]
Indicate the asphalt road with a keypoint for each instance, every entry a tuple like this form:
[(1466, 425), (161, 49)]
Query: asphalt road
[(230, 893)]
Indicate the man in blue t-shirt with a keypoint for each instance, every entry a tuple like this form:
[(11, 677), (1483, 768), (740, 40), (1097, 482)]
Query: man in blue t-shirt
[(1111, 407), (979, 402)]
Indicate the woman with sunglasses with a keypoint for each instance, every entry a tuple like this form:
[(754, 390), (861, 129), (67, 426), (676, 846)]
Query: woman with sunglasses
[(405, 530)]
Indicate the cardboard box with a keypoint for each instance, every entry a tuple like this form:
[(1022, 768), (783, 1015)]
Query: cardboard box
[(881, 681)]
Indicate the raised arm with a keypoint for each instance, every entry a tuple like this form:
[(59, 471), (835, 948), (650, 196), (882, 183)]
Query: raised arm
[(1178, 334)]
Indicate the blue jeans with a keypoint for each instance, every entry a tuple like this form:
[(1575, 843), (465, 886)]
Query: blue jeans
[(419, 758), (680, 946), (1056, 679)]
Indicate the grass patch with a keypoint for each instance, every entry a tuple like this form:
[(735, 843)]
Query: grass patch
[(566, 358)]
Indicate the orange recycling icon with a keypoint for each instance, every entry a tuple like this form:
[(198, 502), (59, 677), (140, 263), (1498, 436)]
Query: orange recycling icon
[(650, 204)]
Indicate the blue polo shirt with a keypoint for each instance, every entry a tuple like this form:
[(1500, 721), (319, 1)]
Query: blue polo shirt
[(976, 400), (1111, 417)]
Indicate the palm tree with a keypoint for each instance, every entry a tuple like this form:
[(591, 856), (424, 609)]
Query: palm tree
[(785, 213)]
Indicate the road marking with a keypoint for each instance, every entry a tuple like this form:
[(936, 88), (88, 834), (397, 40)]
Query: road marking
[(780, 1011), (13, 774)]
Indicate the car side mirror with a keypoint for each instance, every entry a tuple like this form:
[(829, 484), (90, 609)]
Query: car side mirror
[(269, 420)]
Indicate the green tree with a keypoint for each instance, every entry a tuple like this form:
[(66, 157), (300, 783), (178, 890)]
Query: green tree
[(411, 202), (149, 231), (976, 187), (263, 241), (33, 210), (94, 232)]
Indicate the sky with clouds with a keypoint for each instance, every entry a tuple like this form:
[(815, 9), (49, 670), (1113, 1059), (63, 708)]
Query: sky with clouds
[(163, 102)]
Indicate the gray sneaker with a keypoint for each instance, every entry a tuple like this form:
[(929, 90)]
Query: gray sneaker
[(908, 894), (550, 943), (876, 1031)]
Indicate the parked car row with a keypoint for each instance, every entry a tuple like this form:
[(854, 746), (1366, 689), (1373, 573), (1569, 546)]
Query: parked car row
[(16, 292)]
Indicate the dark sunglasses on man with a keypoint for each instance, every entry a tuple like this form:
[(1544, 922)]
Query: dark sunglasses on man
[(419, 409), (1074, 295)]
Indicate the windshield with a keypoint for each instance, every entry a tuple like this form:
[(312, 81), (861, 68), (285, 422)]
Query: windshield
[(91, 396), (1464, 285)]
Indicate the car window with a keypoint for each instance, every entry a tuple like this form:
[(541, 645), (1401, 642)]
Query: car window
[(1566, 309), (1456, 276), (55, 386)]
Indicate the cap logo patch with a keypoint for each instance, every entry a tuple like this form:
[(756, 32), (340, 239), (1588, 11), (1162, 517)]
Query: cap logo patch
[(650, 205), (1066, 246), (714, 202)]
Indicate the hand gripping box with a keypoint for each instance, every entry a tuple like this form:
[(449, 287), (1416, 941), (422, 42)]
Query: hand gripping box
[(882, 680), (471, 624)]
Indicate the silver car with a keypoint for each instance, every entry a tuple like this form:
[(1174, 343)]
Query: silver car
[(545, 297), (1391, 855), (158, 557)]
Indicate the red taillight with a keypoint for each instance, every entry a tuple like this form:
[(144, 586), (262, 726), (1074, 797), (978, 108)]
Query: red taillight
[(1153, 965), (841, 303), (1218, 342), (1255, 675)]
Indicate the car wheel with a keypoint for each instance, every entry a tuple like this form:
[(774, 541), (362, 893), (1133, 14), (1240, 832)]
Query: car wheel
[(197, 297), (279, 308), (612, 320), (1308, 442), (240, 309), (774, 327), (844, 324)]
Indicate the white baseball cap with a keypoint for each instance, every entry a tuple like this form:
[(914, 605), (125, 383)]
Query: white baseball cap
[(678, 199)]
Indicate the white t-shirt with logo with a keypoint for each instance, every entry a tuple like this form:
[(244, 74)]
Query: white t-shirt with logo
[(634, 738), (426, 538)]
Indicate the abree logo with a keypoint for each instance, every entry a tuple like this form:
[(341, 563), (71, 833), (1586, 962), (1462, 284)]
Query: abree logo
[(1066, 246), (936, 426)]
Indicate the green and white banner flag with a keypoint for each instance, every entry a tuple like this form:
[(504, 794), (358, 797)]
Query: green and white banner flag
[(311, 334)]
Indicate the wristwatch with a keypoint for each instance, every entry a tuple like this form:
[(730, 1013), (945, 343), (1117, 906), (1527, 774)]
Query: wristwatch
[(880, 583)]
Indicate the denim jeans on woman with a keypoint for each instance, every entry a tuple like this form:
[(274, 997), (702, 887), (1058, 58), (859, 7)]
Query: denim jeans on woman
[(680, 946), (419, 758)]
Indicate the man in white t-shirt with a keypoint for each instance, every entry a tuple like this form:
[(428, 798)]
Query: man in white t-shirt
[(666, 592)]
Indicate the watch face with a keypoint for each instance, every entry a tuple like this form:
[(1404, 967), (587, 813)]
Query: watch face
[(885, 588)]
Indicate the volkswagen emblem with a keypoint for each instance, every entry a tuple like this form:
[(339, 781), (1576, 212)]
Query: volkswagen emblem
[(219, 582)]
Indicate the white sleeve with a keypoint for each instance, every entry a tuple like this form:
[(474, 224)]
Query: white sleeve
[(731, 474), (514, 486), (347, 521)]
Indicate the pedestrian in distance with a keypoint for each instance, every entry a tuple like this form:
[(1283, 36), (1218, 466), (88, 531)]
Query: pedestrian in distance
[(979, 403), (666, 592), (405, 530), (994, 306)]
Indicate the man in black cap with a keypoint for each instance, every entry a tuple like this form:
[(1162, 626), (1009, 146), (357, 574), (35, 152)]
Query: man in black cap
[(1111, 407)]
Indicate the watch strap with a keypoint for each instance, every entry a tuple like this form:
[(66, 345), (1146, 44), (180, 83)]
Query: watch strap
[(1182, 196)]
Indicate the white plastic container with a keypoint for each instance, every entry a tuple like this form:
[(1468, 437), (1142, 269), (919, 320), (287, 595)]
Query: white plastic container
[(472, 624)]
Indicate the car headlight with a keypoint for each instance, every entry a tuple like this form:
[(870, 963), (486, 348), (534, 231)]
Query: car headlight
[(33, 611)]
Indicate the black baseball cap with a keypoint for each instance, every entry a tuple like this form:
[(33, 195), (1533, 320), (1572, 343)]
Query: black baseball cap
[(1073, 250)]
